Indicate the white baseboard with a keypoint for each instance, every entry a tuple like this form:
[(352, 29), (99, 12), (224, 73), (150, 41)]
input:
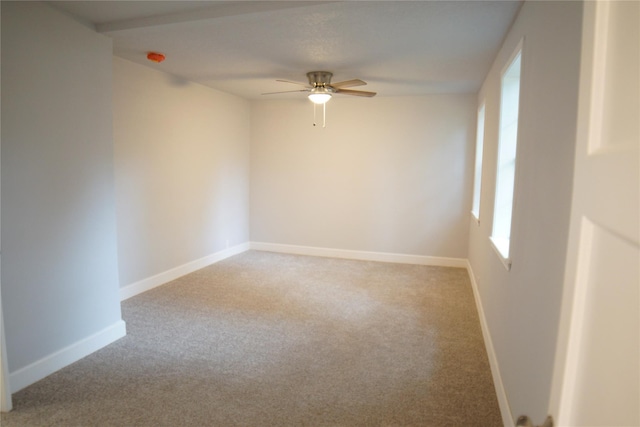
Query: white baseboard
[(360, 255), (503, 402), (68, 355), (169, 275)]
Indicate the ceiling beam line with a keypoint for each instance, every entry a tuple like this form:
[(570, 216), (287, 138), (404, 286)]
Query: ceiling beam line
[(215, 12)]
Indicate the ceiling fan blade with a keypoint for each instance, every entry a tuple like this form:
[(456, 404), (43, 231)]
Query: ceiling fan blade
[(286, 91), (348, 83), (355, 92), (292, 82)]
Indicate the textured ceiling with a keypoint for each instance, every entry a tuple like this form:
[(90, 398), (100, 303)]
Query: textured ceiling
[(241, 47)]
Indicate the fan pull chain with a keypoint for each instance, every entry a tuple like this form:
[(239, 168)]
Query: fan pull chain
[(324, 115)]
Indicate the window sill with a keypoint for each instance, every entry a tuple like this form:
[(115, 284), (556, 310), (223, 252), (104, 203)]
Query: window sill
[(475, 217), (501, 247)]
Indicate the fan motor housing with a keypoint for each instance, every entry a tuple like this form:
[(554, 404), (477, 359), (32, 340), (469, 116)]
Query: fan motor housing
[(319, 78)]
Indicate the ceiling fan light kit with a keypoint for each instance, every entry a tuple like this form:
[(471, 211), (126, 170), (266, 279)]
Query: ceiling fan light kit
[(321, 89), (319, 95)]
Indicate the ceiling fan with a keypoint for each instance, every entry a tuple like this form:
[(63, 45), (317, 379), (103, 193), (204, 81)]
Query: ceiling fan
[(321, 89)]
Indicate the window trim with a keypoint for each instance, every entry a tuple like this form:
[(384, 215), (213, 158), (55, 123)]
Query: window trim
[(498, 243), (477, 196)]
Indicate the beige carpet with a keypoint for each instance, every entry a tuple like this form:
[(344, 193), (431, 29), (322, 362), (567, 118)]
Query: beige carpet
[(265, 339)]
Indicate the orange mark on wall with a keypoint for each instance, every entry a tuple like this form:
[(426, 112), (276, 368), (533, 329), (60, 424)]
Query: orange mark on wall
[(155, 57)]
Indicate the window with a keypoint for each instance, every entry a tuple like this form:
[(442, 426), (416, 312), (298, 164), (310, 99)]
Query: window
[(507, 144), (477, 177)]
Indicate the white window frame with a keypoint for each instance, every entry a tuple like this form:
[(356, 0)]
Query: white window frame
[(506, 167), (477, 175)]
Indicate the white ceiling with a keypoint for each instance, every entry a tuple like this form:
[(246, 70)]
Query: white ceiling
[(242, 47)]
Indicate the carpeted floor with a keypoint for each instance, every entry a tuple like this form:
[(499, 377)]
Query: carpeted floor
[(266, 339)]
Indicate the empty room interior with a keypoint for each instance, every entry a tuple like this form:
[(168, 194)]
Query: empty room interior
[(353, 213)]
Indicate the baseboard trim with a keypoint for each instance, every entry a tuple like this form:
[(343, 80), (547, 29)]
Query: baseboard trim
[(503, 401), (144, 285), (360, 255), (48, 365)]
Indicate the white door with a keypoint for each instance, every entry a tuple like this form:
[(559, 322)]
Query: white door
[(597, 377)]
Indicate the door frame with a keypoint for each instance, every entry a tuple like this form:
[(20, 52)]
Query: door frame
[(5, 389)]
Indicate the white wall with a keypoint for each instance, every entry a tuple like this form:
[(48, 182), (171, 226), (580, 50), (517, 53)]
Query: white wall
[(59, 261), (522, 305), (182, 170), (387, 174)]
